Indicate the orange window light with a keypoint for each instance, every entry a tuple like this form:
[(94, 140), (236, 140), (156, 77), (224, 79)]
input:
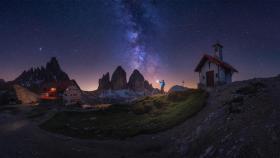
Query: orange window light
[(53, 89)]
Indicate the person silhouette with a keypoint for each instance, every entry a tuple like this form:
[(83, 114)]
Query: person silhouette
[(162, 84)]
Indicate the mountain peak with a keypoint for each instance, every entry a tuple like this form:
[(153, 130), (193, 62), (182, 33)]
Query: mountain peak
[(136, 81), (136, 71), (104, 82), (118, 80), (35, 77), (53, 64), (119, 68)]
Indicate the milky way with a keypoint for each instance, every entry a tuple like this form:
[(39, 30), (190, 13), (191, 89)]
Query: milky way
[(164, 39), (140, 21)]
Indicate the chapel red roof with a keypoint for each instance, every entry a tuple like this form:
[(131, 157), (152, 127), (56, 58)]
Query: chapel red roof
[(214, 60)]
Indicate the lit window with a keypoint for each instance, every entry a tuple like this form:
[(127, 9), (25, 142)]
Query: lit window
[(53, 89)]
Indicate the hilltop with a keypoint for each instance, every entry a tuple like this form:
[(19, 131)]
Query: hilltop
[(240, 120)]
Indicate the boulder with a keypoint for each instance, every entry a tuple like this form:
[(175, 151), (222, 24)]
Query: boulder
[(104, 82), (177, 88), (118, 80), (136, 81)]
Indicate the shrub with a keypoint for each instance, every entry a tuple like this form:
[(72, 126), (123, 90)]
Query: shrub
[(142, 108), (158, 104)]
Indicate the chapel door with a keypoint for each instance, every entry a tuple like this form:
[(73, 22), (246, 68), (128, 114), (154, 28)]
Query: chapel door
[(210, 78)]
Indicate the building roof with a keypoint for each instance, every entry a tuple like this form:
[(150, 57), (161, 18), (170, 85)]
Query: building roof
[(214, 60)]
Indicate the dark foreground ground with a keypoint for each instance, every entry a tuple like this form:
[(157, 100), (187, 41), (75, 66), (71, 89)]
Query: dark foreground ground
[(239, 120), (21, 137)]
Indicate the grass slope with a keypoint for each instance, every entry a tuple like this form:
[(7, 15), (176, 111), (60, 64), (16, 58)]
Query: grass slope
[(149, 115)]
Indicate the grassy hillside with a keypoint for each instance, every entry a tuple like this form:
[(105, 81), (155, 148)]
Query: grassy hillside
[(148, 115)]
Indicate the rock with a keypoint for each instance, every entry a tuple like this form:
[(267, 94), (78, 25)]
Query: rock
[(2, 84), (208, 152), (149, 87), (156, 91), (25, 96), (136, 81), (178, 88), (104, 82), (118, 80)]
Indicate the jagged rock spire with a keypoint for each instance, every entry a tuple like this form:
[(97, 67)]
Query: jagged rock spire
[(136, 81), (118, 80), (104, 82), (53, 65), (36, 76)]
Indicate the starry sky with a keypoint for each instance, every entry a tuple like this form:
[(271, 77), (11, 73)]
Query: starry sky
[(164, 39)]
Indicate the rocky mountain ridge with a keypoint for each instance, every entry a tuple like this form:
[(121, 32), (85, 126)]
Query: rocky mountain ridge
[(36, 77), (136, 82), (118, 80)]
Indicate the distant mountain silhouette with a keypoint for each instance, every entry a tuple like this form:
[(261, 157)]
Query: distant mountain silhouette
[(118, 80), (35, 77), (136, 82)]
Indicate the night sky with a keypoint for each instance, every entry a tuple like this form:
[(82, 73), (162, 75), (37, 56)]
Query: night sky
[(164, 39)]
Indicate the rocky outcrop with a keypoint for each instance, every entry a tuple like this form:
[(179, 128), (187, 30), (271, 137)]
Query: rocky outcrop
[(148, 87), (26, 96), (104, 82), (241, 119), (2, 84), (118, 80), (7, 93), (117, 89), (136, 81), (35, 77), (177, 88)]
